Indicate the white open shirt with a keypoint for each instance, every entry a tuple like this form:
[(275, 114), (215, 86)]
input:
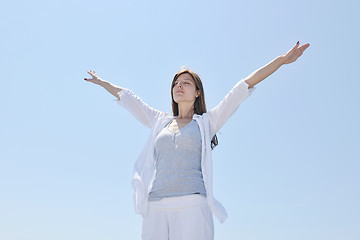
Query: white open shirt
[(209, 124)]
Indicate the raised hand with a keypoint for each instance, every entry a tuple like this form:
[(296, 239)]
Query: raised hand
[(95, 78), (293, 54)]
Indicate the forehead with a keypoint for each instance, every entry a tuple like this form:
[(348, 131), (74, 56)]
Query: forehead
[(185, 76)]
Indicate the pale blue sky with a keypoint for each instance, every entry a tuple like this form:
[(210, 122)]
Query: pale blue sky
[(287, 165)]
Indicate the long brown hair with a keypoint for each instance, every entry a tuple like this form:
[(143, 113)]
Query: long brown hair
[(199, 104)]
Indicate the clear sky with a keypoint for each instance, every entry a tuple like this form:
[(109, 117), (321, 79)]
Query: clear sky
[(287, 164)]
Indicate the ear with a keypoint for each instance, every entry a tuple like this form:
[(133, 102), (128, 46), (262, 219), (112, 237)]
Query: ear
[(197, 93)]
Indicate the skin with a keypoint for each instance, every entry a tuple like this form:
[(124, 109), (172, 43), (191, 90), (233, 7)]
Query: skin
[(185, 91), (291, 56)]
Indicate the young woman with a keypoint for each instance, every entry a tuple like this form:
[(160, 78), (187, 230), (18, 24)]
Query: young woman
[(173, 174)]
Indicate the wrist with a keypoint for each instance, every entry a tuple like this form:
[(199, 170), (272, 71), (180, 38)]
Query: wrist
[(282, 59), (101, 82)]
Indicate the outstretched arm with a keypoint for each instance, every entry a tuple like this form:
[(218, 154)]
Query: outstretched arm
[(291, 56), (111, 88), (126, 98), (244, 88)]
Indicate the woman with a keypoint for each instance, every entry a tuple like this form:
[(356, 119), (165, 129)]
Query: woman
[(173, 174)]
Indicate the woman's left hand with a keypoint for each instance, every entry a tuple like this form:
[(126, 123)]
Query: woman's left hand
[(293, 54)]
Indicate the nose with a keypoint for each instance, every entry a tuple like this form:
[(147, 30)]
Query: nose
[(179, 85)]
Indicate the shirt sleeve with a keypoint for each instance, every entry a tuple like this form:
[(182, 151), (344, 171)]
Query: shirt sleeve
[(139, 109), (227, 107)]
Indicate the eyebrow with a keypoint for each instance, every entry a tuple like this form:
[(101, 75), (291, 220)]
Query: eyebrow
[(184, 79)]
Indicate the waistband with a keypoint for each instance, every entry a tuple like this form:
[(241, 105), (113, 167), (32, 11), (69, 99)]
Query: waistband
[(187, 201)]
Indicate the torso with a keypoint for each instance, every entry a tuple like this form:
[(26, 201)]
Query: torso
[(177, 156)]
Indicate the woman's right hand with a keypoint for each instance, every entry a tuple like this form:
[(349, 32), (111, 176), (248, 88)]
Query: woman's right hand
[(95, 78)]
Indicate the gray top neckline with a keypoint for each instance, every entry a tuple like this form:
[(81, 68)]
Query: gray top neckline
[(167, 126)]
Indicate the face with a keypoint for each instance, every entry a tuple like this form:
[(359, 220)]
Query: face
[(184, 89)]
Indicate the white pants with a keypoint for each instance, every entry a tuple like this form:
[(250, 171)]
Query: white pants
[(179, 218)]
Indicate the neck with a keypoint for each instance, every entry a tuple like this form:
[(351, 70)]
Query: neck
[(185, 110)]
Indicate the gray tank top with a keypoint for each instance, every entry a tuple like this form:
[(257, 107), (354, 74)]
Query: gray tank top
[(178, 163)]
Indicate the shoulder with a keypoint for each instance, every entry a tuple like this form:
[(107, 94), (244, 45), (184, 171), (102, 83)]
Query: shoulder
[(165, 117), (203, 117)]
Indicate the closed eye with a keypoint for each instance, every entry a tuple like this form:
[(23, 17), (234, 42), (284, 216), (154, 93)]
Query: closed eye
[(176, 83)]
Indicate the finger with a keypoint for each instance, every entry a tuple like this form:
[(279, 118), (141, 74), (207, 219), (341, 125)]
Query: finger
[(303, 47), (295, 47), (92, 73)]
